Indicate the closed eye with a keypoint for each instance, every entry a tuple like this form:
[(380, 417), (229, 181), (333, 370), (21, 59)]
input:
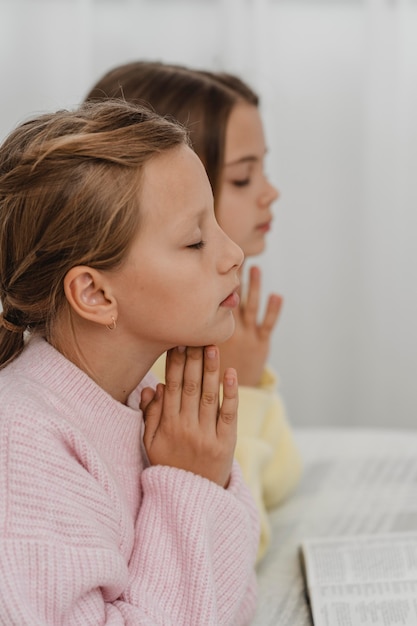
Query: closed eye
[(198, 245), (241, 183)]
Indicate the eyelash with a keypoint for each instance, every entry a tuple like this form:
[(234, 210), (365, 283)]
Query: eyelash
[(198, 245), (241, 183)]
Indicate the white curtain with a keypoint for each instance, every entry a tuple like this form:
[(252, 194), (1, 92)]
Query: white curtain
[(338, 82)]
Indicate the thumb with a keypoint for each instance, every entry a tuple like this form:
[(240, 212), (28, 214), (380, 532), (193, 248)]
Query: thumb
[(151, 406), (146, 397), (227, 421)]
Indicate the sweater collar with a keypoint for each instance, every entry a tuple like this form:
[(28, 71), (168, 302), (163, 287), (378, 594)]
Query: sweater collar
[(82, 401)]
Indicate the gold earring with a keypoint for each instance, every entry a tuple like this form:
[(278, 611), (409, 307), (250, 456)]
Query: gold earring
[(113, 324)]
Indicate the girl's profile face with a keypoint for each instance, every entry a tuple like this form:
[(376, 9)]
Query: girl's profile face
[(244, 205), (178, 283)]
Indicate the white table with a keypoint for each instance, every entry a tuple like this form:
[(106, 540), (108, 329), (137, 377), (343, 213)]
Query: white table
[(355, 481)]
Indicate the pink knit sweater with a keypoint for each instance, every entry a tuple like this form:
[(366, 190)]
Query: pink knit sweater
[(89, 534)]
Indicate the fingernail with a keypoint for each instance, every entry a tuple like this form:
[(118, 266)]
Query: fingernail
[(211, 353), (230, 381), (181, 349)]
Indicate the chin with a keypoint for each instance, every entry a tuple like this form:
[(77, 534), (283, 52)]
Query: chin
[(227, 334), (255, 249), (219, 332)]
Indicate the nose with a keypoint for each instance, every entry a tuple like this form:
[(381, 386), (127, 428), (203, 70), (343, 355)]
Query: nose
[(230, 254), (268, 195)]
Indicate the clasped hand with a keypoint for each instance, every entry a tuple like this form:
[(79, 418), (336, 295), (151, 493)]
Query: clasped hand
[(185, 426), (249, 346)]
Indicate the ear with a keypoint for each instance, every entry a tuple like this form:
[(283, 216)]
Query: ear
[(89, 295)]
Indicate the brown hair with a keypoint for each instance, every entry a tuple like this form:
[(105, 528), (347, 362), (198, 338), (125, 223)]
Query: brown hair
[(69, 185), (200, 100)]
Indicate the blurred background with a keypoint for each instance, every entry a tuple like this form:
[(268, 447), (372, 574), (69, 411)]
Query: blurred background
[(338, 83)]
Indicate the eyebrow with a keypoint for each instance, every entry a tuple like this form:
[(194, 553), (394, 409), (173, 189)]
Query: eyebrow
[(246, 159), (184, 220)]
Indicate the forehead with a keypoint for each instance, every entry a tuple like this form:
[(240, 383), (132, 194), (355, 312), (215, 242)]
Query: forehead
[(174, 187), (244, 134)]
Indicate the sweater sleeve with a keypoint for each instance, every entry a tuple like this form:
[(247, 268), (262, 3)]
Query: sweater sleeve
[(206, 537), (72, 553), (266, 450)]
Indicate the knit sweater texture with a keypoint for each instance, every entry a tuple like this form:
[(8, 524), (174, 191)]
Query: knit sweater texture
[(90, 534), (266, 449)]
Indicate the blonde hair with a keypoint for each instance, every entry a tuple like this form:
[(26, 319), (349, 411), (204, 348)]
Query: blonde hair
[(69, 184)]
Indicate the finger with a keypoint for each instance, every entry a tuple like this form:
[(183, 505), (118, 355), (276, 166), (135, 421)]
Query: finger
[(146, 398), (272, 313), (152, 413), (174, 375), (251, 307), (209, 401), (191, 391), (227, 422)]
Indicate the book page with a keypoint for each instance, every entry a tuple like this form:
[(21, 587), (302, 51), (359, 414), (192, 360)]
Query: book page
[(381, 604), (355, 482), (367, 579)]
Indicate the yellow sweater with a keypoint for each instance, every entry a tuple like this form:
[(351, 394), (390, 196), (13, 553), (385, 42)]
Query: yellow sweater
[(265, 449)]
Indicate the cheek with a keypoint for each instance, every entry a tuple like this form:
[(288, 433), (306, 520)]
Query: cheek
[(174, 291), (230, 216), (238, 224)]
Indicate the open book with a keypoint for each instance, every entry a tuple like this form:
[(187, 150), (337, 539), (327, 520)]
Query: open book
[(362, 580), (356, 482)]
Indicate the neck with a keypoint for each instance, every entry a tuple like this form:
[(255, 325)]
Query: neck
[(103, 355)]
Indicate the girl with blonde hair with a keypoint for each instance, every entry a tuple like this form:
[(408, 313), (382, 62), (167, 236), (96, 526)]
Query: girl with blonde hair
[(121, 501)]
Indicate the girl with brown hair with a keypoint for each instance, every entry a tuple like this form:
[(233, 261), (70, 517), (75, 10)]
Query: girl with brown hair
[(222, 115)]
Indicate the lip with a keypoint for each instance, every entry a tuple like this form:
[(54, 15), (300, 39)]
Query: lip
[(265, 227), (232, 300)]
